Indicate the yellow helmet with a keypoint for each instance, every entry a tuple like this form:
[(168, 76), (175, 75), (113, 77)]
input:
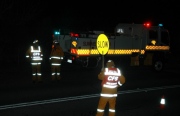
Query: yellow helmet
[(110, 63)]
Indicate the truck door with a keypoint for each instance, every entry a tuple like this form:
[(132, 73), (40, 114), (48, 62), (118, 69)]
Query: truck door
[(165, 39), (153, 37)]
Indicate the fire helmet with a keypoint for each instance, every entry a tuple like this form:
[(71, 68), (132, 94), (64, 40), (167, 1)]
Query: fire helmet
[(110, 63), (35, 41), (55, 42)]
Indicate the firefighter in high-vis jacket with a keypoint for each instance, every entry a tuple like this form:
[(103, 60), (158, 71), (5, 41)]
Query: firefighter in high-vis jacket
[(56, 58), (111, 79), (35, 56)]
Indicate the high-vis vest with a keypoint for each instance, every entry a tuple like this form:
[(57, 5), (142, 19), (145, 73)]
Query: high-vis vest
[(110, 82), (36, 54)]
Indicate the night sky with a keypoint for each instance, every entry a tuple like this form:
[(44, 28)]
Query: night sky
[(23, 21), (48, 15)]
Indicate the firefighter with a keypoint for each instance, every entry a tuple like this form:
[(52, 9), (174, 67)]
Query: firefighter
[(35, 55), (111, 79), (56, 58)]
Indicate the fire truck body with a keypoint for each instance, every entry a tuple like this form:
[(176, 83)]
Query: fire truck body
[(139, 42)]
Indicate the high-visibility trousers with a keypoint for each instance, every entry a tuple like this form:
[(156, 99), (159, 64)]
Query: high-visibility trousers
[(102, 104), (36, 72), (55, 72)]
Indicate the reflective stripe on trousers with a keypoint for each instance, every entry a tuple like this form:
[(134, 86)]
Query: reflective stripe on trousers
[(102, 104)]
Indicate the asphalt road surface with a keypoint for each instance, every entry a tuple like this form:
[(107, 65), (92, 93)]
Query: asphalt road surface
[(142, 102), (77, 93)]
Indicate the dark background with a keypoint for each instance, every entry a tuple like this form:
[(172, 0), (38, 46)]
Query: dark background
[(21, 22)]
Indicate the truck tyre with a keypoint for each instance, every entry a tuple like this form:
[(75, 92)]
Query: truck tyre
[(158, 66)]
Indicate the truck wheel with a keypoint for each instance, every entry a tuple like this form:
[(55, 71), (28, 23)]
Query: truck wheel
[(158, 66)]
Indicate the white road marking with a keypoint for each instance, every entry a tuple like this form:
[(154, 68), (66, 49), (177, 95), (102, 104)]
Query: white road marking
[(81, 97)]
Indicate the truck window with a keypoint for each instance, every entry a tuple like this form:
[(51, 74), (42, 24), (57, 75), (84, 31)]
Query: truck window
[(153, 34), (165, 37)]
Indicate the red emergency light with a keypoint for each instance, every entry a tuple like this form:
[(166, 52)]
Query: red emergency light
[(147, 24), (74, 34)]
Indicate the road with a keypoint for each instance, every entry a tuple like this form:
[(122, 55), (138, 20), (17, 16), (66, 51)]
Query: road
[(78, 91), (129, 103)]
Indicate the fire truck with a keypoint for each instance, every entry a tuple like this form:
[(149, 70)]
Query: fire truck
[(138, 44)]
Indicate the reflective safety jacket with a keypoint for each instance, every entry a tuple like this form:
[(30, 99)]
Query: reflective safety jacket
[(56, 56), (111, 80), (34, 54)]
